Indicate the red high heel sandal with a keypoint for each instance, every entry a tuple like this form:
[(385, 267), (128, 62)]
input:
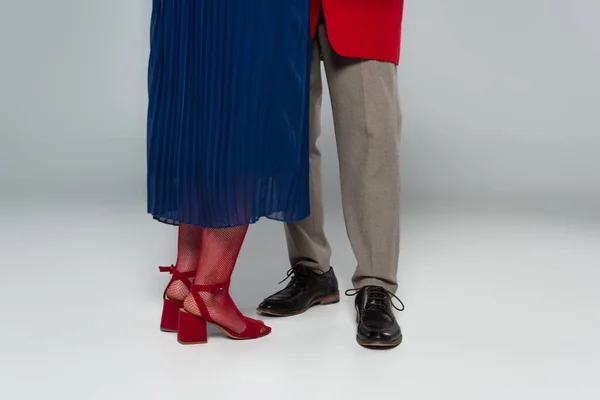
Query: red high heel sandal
[(169, 320), (192, 329)]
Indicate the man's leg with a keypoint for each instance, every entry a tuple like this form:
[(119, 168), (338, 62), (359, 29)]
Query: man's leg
[(307, 244), (367, 120), (312, 279)]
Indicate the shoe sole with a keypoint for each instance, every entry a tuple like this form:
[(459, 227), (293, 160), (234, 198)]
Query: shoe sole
[(378, 344), (323, 301)]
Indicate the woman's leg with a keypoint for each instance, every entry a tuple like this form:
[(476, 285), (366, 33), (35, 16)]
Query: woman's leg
[(188, 254), (218, 255)]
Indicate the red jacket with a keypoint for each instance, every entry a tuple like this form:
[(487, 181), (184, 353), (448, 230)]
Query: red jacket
[(368, 29)]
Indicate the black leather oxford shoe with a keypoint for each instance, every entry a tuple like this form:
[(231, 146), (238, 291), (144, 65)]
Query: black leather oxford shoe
[(377, 325), (307, 287)]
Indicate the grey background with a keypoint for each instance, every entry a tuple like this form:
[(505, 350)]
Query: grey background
[(500, 219), (500, 100)]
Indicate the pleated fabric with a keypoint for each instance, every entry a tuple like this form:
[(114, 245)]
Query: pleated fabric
[(228, 85)]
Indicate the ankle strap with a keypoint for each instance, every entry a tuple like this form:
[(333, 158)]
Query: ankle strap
[(213, 289), (167, 269), (176, 274)]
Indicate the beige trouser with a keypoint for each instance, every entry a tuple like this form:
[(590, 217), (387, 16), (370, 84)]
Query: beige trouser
[(367, 120)]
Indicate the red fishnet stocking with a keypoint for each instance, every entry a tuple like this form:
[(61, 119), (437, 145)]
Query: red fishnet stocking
[(188, 255), (219, 253)]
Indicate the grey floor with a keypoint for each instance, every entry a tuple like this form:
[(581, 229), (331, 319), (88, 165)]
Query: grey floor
[(500, 305)]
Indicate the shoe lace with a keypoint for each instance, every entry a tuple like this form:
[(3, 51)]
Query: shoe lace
[(297, 273), (377, 297)]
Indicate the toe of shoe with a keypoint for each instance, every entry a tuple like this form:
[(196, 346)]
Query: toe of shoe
[(265, 305), (270, 307), (378, 336)]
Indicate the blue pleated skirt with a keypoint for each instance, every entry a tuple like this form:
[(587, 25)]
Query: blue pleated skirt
[(228, 109)]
